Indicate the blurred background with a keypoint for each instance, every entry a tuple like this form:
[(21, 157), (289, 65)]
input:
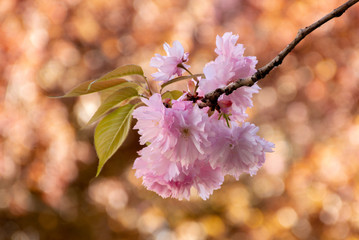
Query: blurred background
[(308, 107)]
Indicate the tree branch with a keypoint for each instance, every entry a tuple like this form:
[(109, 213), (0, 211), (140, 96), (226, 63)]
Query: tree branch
[(210, 99)]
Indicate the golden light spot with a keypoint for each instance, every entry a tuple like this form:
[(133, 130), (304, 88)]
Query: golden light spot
[(326, 69), (287, 217), (255, 219), (213, 225)]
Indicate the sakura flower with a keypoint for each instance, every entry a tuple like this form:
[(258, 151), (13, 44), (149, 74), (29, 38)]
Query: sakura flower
[(206, 179), (190, 128), (192, 147), (229, 66), (245, 67), (227, 47), (169, 179), (217, 73), (179, 132), (237, 102), (168, 65), (232, 52), (151, 119), (238, 149), (154, 161)]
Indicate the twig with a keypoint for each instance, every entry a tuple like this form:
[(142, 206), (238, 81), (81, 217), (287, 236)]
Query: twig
[(211, 98)]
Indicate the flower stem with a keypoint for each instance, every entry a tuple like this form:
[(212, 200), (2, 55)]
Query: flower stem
[(225, 116), (190, 73), (148, 85)]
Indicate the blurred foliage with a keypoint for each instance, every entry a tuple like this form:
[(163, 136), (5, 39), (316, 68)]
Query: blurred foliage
[(308, 188)]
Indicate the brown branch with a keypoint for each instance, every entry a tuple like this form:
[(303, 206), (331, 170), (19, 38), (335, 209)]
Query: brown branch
[(211, 98)]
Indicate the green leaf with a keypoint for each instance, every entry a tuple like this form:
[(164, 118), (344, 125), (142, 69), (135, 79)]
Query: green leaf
[(111, 132), (175, 94), (122, 71), (107, 81), (113, 100), (125, 70), (180, 79), (106, 93), (84, 88)]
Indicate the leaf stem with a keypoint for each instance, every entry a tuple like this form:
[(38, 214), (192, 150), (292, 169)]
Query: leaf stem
[(143, 96)]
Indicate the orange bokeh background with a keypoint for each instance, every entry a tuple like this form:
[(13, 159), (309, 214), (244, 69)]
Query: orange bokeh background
[(308, 107)]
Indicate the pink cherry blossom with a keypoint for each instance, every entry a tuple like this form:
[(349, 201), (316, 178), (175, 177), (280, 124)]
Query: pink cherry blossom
[(192, 147), (238, 102), (153, 160), (217, 73), (227, 46), (179, 132), (238, 149), (168, 65), (152, 120), (245, 67), (229, 66), (232, 52), (206, 179), (190, 127), (170, 179)]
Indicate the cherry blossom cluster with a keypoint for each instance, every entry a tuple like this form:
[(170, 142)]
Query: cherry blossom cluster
[(188, 146)]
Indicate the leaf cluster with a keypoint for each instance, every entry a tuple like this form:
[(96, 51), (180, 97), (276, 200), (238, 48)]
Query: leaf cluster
[(120, 98)]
